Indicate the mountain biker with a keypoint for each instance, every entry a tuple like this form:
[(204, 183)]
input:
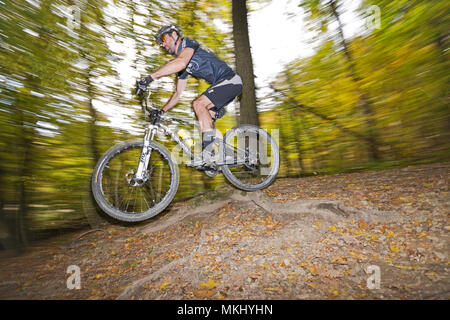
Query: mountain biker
[(194, 60)]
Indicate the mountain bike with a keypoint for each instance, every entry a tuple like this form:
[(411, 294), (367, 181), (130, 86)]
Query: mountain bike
[(136, 180)]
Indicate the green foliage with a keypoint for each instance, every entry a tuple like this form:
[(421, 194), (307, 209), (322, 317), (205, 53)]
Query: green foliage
[(62, 102), (402, 68)]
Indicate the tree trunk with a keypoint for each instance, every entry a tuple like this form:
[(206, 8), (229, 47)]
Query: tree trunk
[(20, 232), (283, 142), (244, 65), (296, 118), (89, 207), (93, 146)]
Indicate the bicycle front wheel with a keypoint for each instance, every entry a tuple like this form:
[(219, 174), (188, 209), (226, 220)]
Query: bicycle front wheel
[(256, 158), (120, 196)]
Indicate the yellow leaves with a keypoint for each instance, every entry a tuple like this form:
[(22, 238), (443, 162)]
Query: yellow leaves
[(363, 225), (394, 248), (317, 225), (355, 253), (276, 290), (165, 284), (332, 228), (313, 270), (421, 235), (390, 234), (334, 292), (265, 266), (292, 276), (98, 276), (339, 260), (404, 267), (206, 290), (374, 237), (222, 296), (425, 245), (209, 285)]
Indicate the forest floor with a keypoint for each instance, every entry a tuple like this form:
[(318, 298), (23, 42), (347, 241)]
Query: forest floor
[(368, 235)]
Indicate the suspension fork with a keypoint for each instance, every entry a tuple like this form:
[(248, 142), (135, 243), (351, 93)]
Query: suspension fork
[(144, 159)]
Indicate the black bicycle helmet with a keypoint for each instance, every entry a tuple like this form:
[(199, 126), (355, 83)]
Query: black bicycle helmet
[(167, 29)]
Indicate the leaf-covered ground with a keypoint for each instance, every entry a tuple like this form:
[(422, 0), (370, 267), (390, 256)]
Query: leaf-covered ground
[(241, 251)]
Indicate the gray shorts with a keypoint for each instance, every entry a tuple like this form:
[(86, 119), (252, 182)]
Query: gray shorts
[(223, 93)]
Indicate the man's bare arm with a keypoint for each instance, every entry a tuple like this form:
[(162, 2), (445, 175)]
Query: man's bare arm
[(181, 85), (175, 65)]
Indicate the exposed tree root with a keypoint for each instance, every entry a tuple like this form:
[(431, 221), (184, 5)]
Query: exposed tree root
[(205, 205), (323, 209), (133, 288)]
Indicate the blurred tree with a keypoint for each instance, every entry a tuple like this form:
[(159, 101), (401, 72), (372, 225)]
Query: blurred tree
[(33, 84), (89, 39), (322, 13)]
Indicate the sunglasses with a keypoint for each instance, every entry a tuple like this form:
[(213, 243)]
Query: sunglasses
[(164, 37)]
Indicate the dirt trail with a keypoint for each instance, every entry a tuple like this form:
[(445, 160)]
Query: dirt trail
[(372, 235)]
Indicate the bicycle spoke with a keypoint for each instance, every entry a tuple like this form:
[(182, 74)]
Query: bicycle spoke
[(134, 198), (256, 162)]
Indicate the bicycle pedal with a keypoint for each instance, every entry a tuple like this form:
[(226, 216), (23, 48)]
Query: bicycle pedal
[(211, 173), (206, 167)]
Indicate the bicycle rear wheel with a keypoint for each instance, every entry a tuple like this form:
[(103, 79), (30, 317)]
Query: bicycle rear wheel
[(120, 196), (256, 158)]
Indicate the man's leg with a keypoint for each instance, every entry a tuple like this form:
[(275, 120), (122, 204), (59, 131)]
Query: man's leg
[(201, 108)]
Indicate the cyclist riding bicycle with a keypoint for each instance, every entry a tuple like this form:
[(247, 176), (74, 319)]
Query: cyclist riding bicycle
[(192, 59)]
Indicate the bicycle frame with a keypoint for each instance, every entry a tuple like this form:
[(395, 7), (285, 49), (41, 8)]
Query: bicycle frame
[(150, 133)]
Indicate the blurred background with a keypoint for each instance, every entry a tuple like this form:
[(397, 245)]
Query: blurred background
[(349, 85)]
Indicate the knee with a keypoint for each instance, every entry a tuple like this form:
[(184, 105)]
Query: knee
[(198, 106)]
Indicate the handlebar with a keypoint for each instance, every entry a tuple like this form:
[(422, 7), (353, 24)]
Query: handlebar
[(152, 111)]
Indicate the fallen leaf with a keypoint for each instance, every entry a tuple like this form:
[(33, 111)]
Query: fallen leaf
[(421, 235), (276, 290), (163, 285), (363, 225), (394, 248), (209, 285), (222, 296), (203, 293), (254, 275), (334, 292), (313, 270), (339, 260), (404, 267)]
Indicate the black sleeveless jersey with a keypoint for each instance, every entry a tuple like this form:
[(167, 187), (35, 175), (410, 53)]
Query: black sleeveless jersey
[(204, 64)]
